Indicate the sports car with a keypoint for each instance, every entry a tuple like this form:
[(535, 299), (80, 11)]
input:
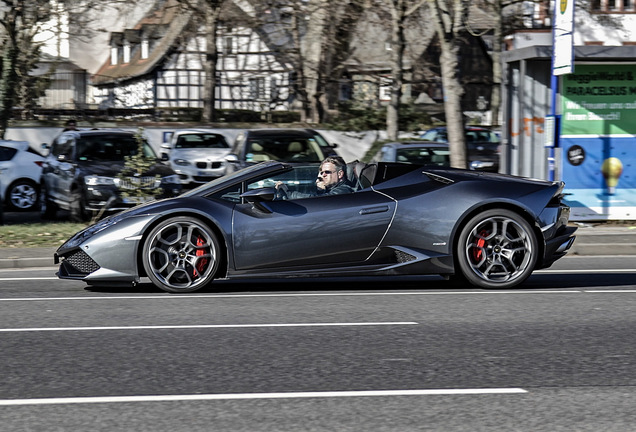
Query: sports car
[(489, 230)]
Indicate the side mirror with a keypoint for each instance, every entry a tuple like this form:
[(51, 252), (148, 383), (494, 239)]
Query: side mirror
[(232, 158), (257, 197), (165, 146), (164, 157)]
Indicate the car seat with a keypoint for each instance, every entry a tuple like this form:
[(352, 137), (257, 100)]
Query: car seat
[(366, 176), (258, 153)]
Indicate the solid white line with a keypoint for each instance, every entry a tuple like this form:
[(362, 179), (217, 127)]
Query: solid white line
[(609, 291), (242, 296), (234, 396), (586, 271), (204, 326), (29, 278)]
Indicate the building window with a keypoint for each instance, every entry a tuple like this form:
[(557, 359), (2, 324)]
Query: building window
[(228, 45), (114, 55), (612, 6), (145, 48), (257, 88), (126, 52)]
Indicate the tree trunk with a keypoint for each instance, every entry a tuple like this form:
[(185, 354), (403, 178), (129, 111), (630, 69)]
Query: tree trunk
[(450, 16), (8, 85), (313, 54), (497, 47), (453, 92), (212, 13), (398, 45)]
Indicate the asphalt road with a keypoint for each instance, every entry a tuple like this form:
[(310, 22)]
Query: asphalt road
[(329, 355)]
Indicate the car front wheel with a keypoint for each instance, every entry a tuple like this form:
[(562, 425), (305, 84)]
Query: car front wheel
[(497, 249), (181, 255)]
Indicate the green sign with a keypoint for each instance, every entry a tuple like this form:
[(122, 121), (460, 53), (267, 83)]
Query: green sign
[(599, 100)]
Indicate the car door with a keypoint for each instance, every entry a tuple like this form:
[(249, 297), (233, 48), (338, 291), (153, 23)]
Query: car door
[(65, 168), (322, 231), (55, 166)]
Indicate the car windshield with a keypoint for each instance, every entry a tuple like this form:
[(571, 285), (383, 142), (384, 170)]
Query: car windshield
[(481, 136), (297, 149), (110, 148), (228, 179), (424, 155), (201, 140)]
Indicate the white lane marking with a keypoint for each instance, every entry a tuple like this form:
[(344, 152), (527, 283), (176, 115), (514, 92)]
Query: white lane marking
[(249, 296), (585, 271), (28, 278), (609, 291), (204, 326), (234, 396)]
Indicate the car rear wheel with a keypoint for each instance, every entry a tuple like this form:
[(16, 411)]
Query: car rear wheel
[(48, 208), (22, 196), (181, 255), (78, 207), (497, 249)]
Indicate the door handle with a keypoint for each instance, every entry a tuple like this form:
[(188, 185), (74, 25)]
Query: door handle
[(376, 209)]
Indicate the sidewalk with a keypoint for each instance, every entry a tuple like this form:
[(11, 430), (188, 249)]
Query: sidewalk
[(590, 240)]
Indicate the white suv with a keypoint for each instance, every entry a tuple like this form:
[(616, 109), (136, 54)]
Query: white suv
[(20, 172)]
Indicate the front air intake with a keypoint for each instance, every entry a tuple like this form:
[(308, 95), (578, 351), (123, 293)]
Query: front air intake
[(78, 264)]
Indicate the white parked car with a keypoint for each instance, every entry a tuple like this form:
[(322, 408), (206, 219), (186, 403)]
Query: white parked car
[(196, 155), (20, 172)]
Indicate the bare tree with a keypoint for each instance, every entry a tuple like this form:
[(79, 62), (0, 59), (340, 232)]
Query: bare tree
[(19, 21), (400, 11), (314, 36), (449, 19)]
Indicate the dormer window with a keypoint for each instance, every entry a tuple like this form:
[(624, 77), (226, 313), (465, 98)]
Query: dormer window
[(114, 55), (145, 48), (126, 52)]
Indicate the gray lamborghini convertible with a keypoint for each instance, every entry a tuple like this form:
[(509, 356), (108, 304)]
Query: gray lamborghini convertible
[(489, 230)]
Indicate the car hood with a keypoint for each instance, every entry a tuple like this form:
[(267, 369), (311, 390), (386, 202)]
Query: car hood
[(209, 154), (111, 169)]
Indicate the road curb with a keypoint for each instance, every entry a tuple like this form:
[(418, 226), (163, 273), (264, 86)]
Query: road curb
[(17, 263)]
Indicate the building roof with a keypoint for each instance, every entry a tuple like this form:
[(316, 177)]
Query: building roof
[(165, 24)]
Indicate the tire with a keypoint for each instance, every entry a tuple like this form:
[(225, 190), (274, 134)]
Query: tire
[(48, 208), (78, 207), (181, 255), (22, 196), (497, 249)]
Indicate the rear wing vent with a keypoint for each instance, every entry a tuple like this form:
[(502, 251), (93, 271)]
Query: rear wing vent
[(438, 178)]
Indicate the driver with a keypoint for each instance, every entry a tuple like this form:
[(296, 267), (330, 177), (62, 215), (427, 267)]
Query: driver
[(331, 181)]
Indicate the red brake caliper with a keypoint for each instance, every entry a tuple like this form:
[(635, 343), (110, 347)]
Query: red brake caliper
[(480, 244), (201, 263)]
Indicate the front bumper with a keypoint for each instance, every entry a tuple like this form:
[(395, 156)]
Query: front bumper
[(207, 171), (104, 257)]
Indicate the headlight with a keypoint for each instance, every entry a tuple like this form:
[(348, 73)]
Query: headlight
[(181, 162), (89, 232), (98, 180), (171, 179)]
